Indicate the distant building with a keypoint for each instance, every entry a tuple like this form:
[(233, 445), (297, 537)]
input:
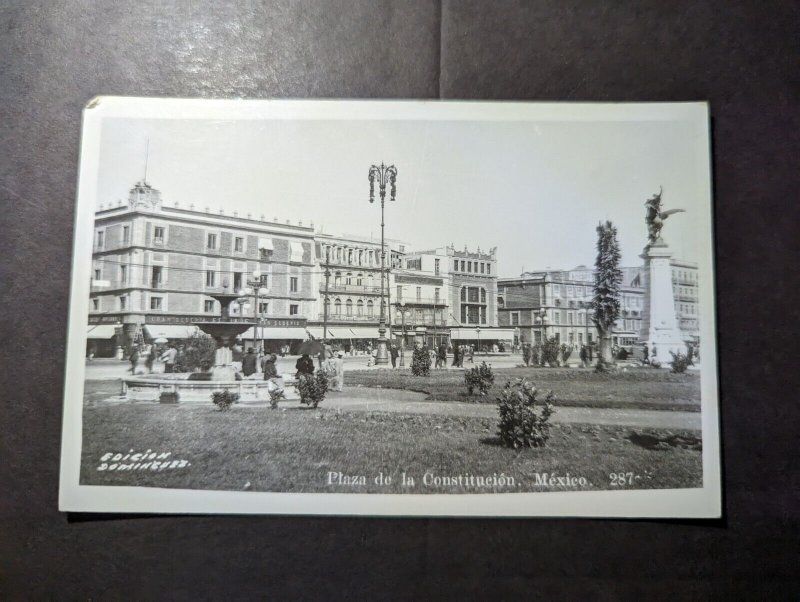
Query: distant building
[(557, 303)]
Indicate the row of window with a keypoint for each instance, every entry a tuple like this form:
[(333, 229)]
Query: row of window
[(348, 307), (157, 303), (419, 299), (471, 267), (212, 243)]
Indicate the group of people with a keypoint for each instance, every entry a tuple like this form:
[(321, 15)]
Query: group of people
[(171, 357), (332, 364)]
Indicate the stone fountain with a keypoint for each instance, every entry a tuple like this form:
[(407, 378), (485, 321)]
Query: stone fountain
[(223, 376), (224, 330)]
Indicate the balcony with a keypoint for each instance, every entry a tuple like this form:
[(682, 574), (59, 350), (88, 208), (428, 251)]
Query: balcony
[(352, 289), (357, 319)]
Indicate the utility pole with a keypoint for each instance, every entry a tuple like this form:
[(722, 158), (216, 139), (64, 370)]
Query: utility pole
[(325, 302)]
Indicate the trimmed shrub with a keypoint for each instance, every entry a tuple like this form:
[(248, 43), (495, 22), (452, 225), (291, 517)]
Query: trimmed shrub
[(521, 425), (224, 399), (480, 378), (312, 388), (198, 353), (421, 362), (549, 354), (680, 362)]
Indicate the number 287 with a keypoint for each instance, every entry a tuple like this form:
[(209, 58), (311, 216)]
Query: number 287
[(621, 479)]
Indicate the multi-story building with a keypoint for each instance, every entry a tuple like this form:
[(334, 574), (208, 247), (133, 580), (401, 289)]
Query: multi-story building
[(421, 301), (353, 286), (685, 283), (154, 267), (557, 303)]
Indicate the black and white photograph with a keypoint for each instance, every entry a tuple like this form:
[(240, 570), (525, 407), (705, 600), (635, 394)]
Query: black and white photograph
[(392, 308)]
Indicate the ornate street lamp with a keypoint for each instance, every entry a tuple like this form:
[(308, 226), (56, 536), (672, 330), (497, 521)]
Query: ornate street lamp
[(542, 319), (384, 175), (256, 288), (403, 312)]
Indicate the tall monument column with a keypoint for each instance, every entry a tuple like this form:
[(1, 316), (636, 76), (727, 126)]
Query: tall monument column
[(660, 330), (659, 326)]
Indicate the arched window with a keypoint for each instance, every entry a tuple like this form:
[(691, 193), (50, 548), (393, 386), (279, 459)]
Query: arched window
[(349, 279), (337, 307), (370, 309), (349, 307), (360, 308), (337, 279), (359, 279), (370, 281)]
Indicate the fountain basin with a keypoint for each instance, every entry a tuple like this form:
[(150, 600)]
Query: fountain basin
[(151, 387)]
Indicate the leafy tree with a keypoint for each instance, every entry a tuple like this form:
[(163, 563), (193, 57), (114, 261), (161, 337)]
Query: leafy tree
[(607, 281), (198, 353)]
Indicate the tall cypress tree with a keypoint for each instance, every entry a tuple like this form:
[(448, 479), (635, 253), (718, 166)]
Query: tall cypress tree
[(607, 281)]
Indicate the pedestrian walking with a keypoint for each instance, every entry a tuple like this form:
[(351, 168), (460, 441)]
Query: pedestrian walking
[(456, 356), (393, 353), (169, 357), (584, 355)]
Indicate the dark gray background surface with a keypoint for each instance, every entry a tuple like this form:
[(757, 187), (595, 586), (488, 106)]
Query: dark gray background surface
[(740, 56)]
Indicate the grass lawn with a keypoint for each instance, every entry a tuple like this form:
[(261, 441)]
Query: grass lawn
[(294, 450), (641, 388)]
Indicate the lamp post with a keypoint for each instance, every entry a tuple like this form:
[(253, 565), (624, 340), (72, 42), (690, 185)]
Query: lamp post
[(384, 175), (403, 310), (478, 330), (257, 290), (542, 318)]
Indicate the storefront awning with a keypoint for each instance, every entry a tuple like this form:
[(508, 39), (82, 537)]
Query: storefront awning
[(171, 331), (267, 333), (359, 332), (334, 332), (100, 331), (485, 334)]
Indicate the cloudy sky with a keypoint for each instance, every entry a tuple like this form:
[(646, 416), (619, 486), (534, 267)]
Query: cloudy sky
[(534, 190)]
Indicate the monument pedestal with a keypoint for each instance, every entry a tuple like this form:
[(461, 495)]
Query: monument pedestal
[(659, 326)]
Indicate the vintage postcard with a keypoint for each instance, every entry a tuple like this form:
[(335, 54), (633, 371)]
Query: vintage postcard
[(408, 308)]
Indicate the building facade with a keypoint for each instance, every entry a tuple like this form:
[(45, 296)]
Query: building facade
[(154, 267), (557, 303), (353, 287)]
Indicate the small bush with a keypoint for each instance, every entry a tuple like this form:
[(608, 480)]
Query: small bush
[(520, 424), (224, 399), (421, 362), (275, 395), (312, 388), (655, 364), (480, 378), (680, 362)]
